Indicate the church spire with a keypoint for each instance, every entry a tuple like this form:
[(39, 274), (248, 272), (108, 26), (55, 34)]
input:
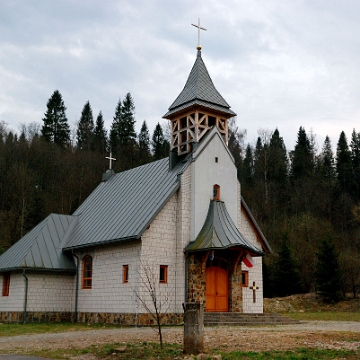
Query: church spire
[(197, 109)]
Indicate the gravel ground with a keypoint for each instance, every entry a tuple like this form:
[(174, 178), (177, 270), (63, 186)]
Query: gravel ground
[(319, 334)]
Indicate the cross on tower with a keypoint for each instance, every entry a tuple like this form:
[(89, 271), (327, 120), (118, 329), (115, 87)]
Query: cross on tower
[(110, 159), (254, 288), (199, 28)]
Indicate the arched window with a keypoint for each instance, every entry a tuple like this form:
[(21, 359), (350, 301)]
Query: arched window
[(216, 192), (87, 272)]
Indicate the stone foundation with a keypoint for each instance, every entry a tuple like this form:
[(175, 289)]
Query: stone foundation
[(92, 318)]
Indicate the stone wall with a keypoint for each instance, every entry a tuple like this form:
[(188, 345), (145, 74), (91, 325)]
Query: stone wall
[(196, 280), (92, 318), (235, 291)]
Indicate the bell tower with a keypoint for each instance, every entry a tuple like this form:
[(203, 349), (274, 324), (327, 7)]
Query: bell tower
[(197, 109)]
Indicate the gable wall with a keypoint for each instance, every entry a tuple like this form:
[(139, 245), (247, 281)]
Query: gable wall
[(205, 173), (109, 293)]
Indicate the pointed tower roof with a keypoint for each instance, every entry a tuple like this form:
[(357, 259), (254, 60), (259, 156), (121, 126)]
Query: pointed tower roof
[(199, 90)]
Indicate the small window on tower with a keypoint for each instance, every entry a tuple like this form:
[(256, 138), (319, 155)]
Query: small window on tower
[(126, 273), (216, 192), (163, 274), (244, 278)]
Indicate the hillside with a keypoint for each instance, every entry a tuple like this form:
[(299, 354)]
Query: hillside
[(308, 303)]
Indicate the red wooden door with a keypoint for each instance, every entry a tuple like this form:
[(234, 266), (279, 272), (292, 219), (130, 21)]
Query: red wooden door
[(216, 289)]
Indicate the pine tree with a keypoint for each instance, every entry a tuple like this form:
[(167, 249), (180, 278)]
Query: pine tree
[(278, 167), (100, 136), (160, 146), (248, 167), (344, 165), (56, 128), (355, 160), (328, 275), (302, 158), (85, 130), (326, 165), (287, 275), (144, 144), (122, 133)]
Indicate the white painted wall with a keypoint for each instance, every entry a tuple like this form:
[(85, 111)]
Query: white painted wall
[(205, 173)]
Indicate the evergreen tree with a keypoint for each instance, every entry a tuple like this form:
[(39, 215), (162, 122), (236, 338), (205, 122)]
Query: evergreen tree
[(100, 136), (235, 144), (56, 128), (287, 275), (160, 146), (123, 135), (344, 165), (355, 160), (326, 164), (302, 158), (278, 167), (85, 130), (328, 275), (144, 143), (248, 167)]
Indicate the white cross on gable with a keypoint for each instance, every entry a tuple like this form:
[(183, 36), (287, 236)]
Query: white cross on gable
[(110, 159), (199, 28)]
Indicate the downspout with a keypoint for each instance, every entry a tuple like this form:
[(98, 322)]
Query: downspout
[(26, 294), (76, 288)]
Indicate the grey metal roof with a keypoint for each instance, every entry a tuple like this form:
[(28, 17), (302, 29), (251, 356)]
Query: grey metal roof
[(220, 232), (199, 90), (122, 207), (40, 248)]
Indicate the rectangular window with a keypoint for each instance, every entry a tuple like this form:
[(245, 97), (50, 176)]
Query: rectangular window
[(163, 274), (125, 273), (6, 284), (244, 278)]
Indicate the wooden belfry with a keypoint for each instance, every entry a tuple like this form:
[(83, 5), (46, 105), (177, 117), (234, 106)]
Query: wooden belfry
[(198, 108)]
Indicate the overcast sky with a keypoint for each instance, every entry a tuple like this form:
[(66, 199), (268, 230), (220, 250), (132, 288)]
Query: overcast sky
[(279, 64)]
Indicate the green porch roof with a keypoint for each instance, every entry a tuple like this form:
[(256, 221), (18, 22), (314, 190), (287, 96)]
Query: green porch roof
[(220, 232)]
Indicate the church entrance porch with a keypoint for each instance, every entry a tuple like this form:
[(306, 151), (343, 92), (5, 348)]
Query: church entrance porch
[(215, 280)]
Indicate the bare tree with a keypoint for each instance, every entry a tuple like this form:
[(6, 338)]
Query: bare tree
[(151, 297)]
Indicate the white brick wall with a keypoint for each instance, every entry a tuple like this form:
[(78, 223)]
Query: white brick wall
[(255, 273), (160, 246), (108, 292), (50, 292), (15, 300), (46, 292)]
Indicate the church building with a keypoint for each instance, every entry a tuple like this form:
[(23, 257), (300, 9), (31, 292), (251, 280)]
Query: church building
[(178, 224)]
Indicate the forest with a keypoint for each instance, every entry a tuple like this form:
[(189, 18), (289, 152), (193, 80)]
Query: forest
[(306, 200)]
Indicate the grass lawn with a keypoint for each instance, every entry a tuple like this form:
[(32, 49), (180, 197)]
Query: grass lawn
[(41, 328), (152, 351), (327, 316)]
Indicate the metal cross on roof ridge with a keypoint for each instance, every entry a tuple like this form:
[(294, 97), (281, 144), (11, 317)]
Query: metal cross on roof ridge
[(199, 28), (110, 159)]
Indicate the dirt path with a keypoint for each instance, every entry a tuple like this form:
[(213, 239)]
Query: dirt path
[(320, 334)]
